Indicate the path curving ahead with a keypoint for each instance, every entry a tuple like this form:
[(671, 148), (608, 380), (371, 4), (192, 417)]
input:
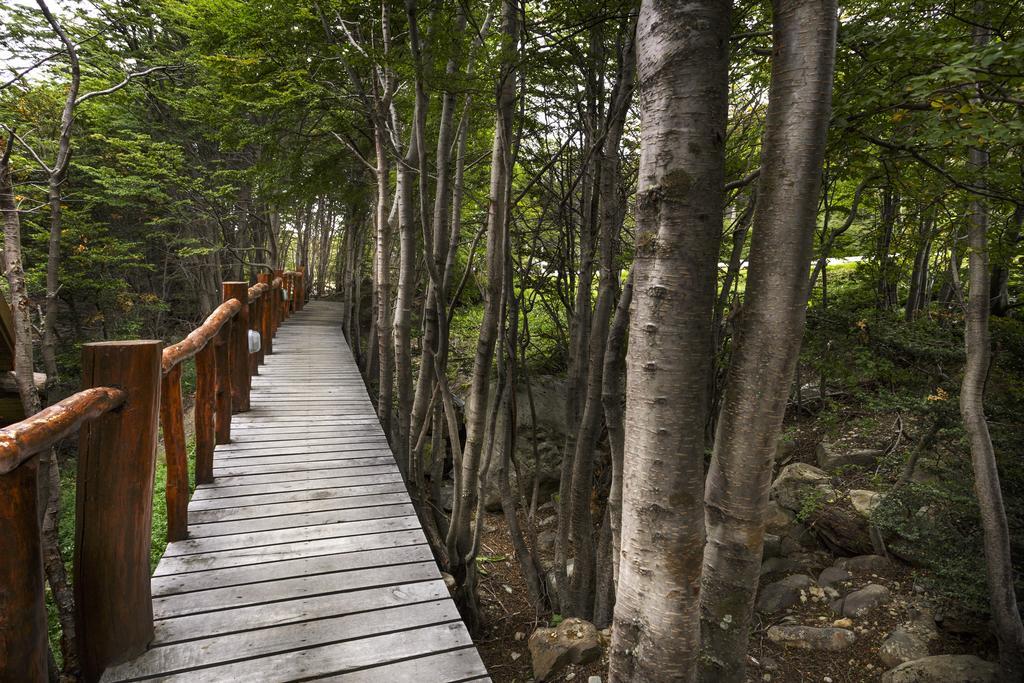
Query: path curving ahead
[(305, 559)]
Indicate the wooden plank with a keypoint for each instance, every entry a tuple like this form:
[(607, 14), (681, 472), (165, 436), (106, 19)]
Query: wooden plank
[(205, 493), (304, 566), (446, 667), (303, 519), (289, 611), (300, 458), (179, 564), (305, 445), (299, 475), (201, 518), (312, 494), (336, 658), (249, 452), (287, 465), (255, 540), (238, 647), (233, 597)]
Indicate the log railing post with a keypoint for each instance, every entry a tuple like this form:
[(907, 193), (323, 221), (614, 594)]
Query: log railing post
[(292, 295), (239, 347), (24, 646), (279, 302), (222, 365), (172, 423), (206, 400), (266, 313), (114, 507), (254, 326)]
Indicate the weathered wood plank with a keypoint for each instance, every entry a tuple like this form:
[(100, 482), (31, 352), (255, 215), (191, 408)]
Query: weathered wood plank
[(336, 658), (239, 647), (265, 538), (233, 597), (454, 665), (305, 566), (304, 519), (303, 609), (286, 551), (205, 493), (202, 517)]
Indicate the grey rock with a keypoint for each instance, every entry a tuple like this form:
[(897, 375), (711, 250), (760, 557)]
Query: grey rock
[(782, 594), (779, 565), (772, 546), (830, 576), (798, 480), (902, 646), (859, 603), (574, 641), (864, 501), (944, 669), (778, 519), (865, 564), (812, 638), (829, 459)]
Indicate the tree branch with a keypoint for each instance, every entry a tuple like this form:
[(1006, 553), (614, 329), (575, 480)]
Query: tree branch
[(127, 79)]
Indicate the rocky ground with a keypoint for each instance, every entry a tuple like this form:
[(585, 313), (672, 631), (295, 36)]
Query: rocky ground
[(824, 612)]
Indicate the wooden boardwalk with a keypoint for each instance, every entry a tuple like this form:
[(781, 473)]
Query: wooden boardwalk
[(305, 559)]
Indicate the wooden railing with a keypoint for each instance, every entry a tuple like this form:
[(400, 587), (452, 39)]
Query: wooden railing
[(128, 386)]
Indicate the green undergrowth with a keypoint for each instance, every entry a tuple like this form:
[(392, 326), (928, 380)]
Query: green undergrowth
[(889, 383)]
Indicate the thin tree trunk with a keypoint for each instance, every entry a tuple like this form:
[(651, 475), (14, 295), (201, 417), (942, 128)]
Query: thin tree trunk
[(682, 57), (461, 536), (48, 472), (583, 585), (403, 305), (998, 560), (382, 285), (765, 354), (613, 397)]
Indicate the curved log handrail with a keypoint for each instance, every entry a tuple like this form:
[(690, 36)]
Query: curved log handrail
[(199, 337), (277, 283), (257, 290), (22, 440)]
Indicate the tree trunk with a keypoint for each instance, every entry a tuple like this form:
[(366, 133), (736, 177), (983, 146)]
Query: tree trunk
[(48, 474), (382, 284), (461, 538), (917, 298), (682, 57), (582, 596), (998, 561), (774, 308)]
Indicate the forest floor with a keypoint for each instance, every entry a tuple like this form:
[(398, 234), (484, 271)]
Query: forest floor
[(508, 617)]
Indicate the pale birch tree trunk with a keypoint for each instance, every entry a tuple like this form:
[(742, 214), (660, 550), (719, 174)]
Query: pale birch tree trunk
[(774, 308), (461, 537), (682, 58)]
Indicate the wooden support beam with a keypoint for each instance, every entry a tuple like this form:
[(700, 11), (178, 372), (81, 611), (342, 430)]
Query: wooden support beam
[(24, 645), (114, 507), (206, 402), (221, 345), (239, 347), (266, 319), (172, 422)]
